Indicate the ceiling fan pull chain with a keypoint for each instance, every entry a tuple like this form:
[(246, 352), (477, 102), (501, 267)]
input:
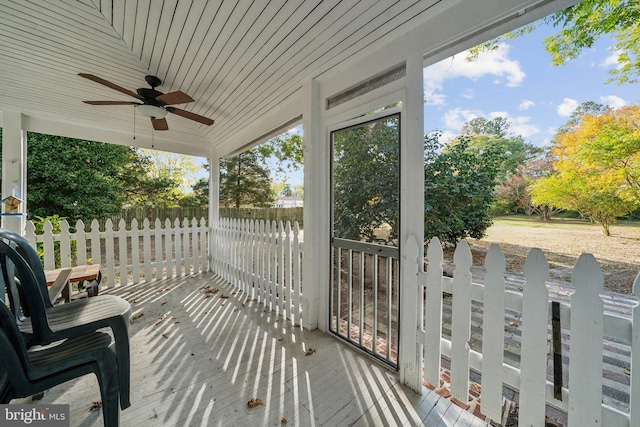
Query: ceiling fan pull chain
[(134, 123)]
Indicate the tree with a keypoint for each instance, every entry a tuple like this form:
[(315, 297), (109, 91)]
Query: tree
[(458, 189), (287, 149), (597, 167), (244, 181), (581, 26), (515, 190), (366, 185), (482, 134), (76, 179)]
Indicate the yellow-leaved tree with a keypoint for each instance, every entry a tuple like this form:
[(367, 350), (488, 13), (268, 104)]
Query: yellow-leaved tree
[(597, 166)]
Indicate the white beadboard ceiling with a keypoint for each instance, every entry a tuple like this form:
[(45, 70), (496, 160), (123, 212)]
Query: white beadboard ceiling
[(239, 59)]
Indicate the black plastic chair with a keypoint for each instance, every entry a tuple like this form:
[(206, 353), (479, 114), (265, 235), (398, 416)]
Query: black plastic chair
[(43, 323), (24, 373)]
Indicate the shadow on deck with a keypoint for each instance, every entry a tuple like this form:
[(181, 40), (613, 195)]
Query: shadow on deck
[(199, 356)]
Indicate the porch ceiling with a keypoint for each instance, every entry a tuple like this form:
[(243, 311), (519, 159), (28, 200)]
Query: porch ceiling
[(240, 60)]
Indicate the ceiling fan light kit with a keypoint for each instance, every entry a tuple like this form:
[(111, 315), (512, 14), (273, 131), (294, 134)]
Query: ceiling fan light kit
[(153, 104), (152, 111)]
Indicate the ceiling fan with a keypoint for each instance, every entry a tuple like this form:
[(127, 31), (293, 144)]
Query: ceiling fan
[(154, 104)]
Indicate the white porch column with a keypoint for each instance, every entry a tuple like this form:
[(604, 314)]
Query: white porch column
[(14, 167), (214, 203), (411, 222), (316, 266)]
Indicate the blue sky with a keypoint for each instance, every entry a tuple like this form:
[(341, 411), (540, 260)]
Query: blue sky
[(518, 82)]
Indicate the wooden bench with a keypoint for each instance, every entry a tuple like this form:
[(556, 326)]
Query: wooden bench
[(60, 279)]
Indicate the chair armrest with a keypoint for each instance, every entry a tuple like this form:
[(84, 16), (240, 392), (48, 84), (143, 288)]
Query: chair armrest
[(61, 285)]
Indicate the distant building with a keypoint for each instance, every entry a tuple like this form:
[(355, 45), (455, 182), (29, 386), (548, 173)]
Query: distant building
[(288, 202)]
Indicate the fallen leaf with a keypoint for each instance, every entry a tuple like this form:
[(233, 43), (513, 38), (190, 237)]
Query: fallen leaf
[(166, 336), (309, 352), (136, 317), (283, 420), (95, 406), (224, 296), (164, 303), (514, 324), (254, 402)]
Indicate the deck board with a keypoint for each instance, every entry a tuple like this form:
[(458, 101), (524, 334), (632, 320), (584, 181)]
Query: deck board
[(198, 360)]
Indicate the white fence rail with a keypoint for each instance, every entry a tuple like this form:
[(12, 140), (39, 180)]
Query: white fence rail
[(127, 256), (263, 260), (583, 320)]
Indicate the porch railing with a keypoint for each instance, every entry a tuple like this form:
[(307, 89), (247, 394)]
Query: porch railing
[(584, 325), (127, 255), (263, 260)]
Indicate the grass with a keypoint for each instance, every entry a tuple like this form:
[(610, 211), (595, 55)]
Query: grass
[(563, 241)]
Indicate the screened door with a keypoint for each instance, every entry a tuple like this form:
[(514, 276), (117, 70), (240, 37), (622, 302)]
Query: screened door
[(365, 224)]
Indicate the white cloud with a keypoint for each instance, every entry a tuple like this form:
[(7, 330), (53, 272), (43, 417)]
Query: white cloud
[(611, 61), (566, 108), (468, 93), (495, 63), (525, 104), (613, 101), (456, 118)]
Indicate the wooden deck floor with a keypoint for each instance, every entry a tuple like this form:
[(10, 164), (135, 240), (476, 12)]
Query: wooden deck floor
[(198, 358)]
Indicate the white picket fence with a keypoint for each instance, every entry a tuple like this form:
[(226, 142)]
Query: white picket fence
[(128, 256), (584, 318), (263, 260)]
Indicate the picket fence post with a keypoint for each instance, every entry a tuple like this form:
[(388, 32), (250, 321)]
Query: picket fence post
[(160, 265), (433, 313), (135, 252), (81, 244), (48, 247), (585, 353), (461, 322), (535, 320), (146, 248), (297, 275), (108, 244), (168, 247), (493, 332), (65, 244), (123, 254), (96, 253)]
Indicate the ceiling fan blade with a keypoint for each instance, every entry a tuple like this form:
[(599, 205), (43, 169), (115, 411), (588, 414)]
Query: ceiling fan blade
[(111, 102), (191, 116), (160, 124), (177, 97), (110, 85)]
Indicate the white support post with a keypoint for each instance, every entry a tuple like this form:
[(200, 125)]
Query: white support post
[(316, 266), (411, 222), (14, 167), (214, 204)]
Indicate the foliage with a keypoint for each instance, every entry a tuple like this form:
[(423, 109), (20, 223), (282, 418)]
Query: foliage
[(458, 189), (160, 180), (75, 178), (581, 26), (597, 167), (482, 134), (365, 173), (583, 23), (515, 191), (287, 149), (244, 181)]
